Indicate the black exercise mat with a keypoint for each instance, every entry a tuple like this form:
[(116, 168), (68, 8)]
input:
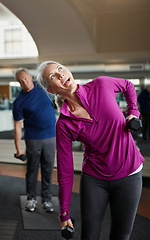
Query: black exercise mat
[(39, 219)]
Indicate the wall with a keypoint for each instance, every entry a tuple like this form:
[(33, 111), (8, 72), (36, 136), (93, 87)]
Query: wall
[(4, 89)]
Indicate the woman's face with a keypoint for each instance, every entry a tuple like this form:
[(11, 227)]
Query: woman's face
[(60, 79)]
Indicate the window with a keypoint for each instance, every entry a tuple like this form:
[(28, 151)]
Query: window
[(13, 41)]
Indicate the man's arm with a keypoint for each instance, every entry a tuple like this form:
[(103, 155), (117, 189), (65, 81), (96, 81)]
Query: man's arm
[(17, 136)]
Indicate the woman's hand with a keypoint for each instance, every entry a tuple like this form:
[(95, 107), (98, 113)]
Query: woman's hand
[(67, 223), (67, 229), (133, 125), (130, 117)]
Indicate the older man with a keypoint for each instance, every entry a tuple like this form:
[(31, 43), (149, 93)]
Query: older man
[(33, 108)]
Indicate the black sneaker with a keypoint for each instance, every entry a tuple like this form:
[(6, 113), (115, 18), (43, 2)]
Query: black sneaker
[(48, 206), (31, 205)]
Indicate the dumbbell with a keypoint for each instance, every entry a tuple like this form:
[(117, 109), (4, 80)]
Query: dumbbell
[(67, 232), (134, 124), (22, 157)]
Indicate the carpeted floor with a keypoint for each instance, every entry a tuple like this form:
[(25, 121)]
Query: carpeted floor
[(10, 211), (10, 215)]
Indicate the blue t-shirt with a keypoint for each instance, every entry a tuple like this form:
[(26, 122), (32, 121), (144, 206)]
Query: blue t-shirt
[(36, 110)]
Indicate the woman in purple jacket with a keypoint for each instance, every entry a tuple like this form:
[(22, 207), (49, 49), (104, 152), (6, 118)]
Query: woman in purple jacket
[(112, 164)]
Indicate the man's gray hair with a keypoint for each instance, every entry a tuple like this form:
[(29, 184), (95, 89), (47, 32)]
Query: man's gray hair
[(19, 70)]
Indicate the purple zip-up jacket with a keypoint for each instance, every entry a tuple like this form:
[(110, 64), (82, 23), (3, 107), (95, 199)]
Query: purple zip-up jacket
[(110, 152)]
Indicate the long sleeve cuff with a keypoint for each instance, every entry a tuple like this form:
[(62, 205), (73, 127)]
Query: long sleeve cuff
[(64, 218)]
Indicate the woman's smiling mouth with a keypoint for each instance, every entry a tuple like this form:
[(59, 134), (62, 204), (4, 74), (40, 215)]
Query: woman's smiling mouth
[(66, 81)]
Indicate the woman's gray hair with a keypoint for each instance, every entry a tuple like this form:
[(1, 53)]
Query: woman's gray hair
[(59, 101), (40, 76), (45, 84)]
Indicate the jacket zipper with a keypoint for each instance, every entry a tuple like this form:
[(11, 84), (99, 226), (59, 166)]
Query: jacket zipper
[(87, 107)]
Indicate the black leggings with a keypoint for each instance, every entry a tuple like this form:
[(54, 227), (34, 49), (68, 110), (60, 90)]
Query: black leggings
[(123, 196)]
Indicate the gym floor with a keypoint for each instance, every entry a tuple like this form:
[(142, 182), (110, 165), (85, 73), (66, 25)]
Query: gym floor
[(18, 170)]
